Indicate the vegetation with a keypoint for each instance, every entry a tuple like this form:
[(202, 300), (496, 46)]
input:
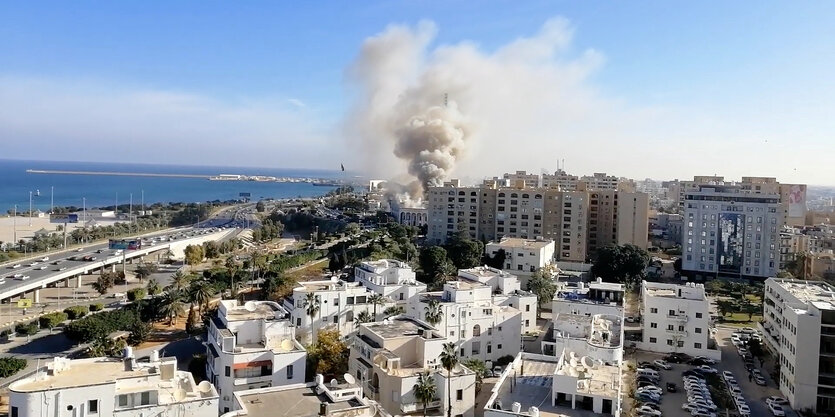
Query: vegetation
[(480, 368), (542, 284), (424, 389), (11, 366), (50, 320), (329, 355), (144, 270), (434, 266), (76, 312), (464, 252), (27, 329), (139, 333), (106, 281), (363, 317), (194, 254), (153, 287), (449, 358), (496, 261), (434, 313), (136, 294), (105, 346), (96, 307), (621, 263), (269, 230), (100, 325)]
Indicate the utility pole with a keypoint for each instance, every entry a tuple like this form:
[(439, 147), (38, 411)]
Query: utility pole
[(30, 208), (51, 199), (14, 228), (130, 211)]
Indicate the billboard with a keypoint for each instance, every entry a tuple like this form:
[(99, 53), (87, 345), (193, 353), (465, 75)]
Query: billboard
[(731, 240), (24, 303), (247, 195), (124, 244), (63, 218), (797, 200)]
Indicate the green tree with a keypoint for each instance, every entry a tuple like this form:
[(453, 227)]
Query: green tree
[(542, 284), (144, 270), (76, 312), (49, 321), (259, 207), (136, 294), (105, 346), (352, 229), (200, 294), (104, 283), (153, 287), (621, 263), (434, 265), (434, 313), (10, 366), (191, 321), (211, 249), (363, 317), (329, 355), (194, 254), (465, 252), (139, 333), (311, 305), (172, 307), (480, 368), (725, 307), (376, 300), (449, 359), (496, 261), (393, 311), (425, 390), (179, 282)]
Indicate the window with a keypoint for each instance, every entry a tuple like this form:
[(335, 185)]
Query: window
[(228, 371), (122, 400), (673, 312), (653, 325), (335, 319), (653, 310), (652, 340), (289, 371), (14, 412), (499, 346), (528, 307), (698, 315), (145, 398), (669, 342), (459, 394), (680, 343), (93, 406), (670, 327), (697, 345), (698, 329)]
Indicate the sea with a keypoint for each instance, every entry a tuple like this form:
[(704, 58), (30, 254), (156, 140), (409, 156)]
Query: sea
[(101, 190)]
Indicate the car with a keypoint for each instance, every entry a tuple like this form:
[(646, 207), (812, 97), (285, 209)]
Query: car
[(17, 275), (776, 400), (56, 262), (24, 277), (33, 263), (727, 375), (42, 267), (736, 342), (99, 250), (702, 413), (630, 319), (63, 268), (647, 397), (776, 409), (671, 387), (654, 406), (651, 388), (759, 380), (642, 384), (15, 266), (45, 258), (80, 250), (699, 397), (747, 330), (662, 364), (705, 360), (648, 367), (742, 351), (735, 389), (706, 369), (497, 370), (743, 409), (648, 411), (704, 405)]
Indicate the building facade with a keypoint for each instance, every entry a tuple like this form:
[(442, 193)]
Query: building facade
[(337, 302), (523, 256), (799, 329), (252, 346), (390, 278)]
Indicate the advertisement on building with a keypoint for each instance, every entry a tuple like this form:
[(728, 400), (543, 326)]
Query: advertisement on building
[(797, 200), (125, 244), (730, 245), (63, 218)]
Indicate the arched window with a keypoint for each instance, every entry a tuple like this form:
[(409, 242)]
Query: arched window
[(514, 195), (526, 196), (349, 317), (538, 196), (476, 330), (501, 194)]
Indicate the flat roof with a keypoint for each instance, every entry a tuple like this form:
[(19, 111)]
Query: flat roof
[(515, 242), (399, 327), (818, 293), (262, 310), (296, 402), (533, 380)]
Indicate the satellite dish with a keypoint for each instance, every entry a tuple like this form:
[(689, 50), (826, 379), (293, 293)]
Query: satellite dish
[(334, 383), (205, 387), (573, 362), (179, 394), (587, 362), (334, 279), (250, 306), (349, 379), (286, 345)]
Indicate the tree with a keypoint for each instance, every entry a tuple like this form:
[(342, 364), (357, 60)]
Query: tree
[(393, 311), (311, 305), (49, 321), (480, 368), (153, 287), (352, 229), (200, 294), (144, 270), (76, 312), (172, 307), (375, 300), (425, 389), (104, 282), (434, 264), (105, 346), (139, 333), (194, 254), (191, 321), (179, 282), (10, 366), (724, 307), (543, 286), (621, 263), (363, 317), (434, 313), (259, 207), (496, 261), (136, 294), (465, 252), (449, 358), (329, 354)]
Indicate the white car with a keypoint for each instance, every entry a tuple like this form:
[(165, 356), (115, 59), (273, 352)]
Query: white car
[(777, 400), (15, 266), (652, 389), (662, 364), (759, 380), (17, 276), (24, 278), (33, 263), (42, 267), (727, 375), (743, 409), (705, 405), (776, 409), (45, 258), (80, 250), (707, 369), (645, 410)]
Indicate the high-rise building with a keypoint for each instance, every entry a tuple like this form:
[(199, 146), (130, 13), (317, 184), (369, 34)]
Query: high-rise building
[(799, 329)]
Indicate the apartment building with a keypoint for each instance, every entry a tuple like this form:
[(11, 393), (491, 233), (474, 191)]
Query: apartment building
[(319, 398), (796, 311), (507, 291), (252, 346), (589, 298), (390, 278), (530, 180), (587, 318), (523, 256), (617, 218), (676, 318), (452, 208), (339, 302), (112, 387), (386, 358)]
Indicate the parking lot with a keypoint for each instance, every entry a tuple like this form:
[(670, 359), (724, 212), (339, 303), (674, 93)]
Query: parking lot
[(731, 361)]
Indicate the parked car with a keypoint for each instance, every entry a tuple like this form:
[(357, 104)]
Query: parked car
[(648, 411), (777, 400), (727, 375), (702, 413), (671, 387), (705, 405), (677, 358), (647, 397), (652, 389), (743, 409), (747, 330), (662, 364), (776, 409), (706, 369), (654, 406)]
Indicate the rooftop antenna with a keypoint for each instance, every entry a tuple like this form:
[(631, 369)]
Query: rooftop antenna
[(446, 100)]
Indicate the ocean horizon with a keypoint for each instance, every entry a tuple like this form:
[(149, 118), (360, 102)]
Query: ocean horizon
[(102, 190)]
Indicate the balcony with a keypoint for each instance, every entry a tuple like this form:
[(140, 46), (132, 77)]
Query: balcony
[(682, 333), (418, 406), (252, 380), (678, 317)]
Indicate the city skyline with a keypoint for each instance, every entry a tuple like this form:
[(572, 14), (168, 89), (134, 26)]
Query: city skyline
[(695, 90)]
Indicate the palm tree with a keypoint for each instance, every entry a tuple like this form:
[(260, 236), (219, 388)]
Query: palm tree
[(179, 282), (311, 304), (363, 317), (200, 294), (449, 358), (434, 314), (172, 307), (424, 389), (153, 287), (375, 300)]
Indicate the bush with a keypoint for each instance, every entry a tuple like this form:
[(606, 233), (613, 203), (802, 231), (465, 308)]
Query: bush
[(76, 312), (48, 321), (27, 328), (504, 360), (11, 366), (100, 325), (136, 294), (96, 307)]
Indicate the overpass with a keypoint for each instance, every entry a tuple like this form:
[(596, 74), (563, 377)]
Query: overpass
[(66, 265)]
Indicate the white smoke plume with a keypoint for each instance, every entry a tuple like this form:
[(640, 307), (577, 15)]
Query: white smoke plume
[(436, 109)]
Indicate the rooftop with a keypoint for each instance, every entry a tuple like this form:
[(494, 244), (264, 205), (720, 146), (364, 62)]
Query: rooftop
[(513, 242), (253, 310), (296, 402), (400, 327), (818, 293), (533, 379), (382, 264), (483, 272), (690, 291)]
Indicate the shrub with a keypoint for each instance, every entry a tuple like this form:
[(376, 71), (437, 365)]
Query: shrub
[(48, 321), (76, 312), (96, 307), (504, 360), (26, 329), (100, 325), (136, 294), (11, 366)]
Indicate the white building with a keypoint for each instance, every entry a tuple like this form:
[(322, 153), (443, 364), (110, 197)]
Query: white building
[(799, 328), (731, 231), (252, 346), (589, 298), (554, 386), (112, 387), (390, 278), (482, 325), (339, 303), (598, 336), (523, 256), (386, 358), (507, 291), (676, 318), (319, 398)]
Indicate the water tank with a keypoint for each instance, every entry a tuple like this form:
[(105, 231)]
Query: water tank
[(516, 407), (319, 379), (155, 356), (128, 352), (533, 411), (581, 285)]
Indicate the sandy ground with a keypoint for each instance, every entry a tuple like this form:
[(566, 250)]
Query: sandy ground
[(24, 231)]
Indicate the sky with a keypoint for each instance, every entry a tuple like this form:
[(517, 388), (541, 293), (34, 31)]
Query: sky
[(641, 89)]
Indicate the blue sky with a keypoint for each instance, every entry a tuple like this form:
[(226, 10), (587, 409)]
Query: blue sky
[(721, 75)]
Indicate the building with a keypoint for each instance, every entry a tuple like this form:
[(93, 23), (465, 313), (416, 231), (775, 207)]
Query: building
[(523, 256), (386, 358), (588, 298), (732, 232), (797, 311), (452, 208), (319, 398), (339, 302), (588, 318), (112, 387), (676, 318), (530, 180), (481, 325), (555, 386), (390, 278), (252, 346), (410, 216)]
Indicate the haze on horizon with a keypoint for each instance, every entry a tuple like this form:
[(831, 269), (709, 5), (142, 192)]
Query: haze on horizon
[(639, 90)]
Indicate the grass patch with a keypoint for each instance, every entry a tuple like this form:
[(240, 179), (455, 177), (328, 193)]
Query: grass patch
[(741, 320), (310, 272)]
